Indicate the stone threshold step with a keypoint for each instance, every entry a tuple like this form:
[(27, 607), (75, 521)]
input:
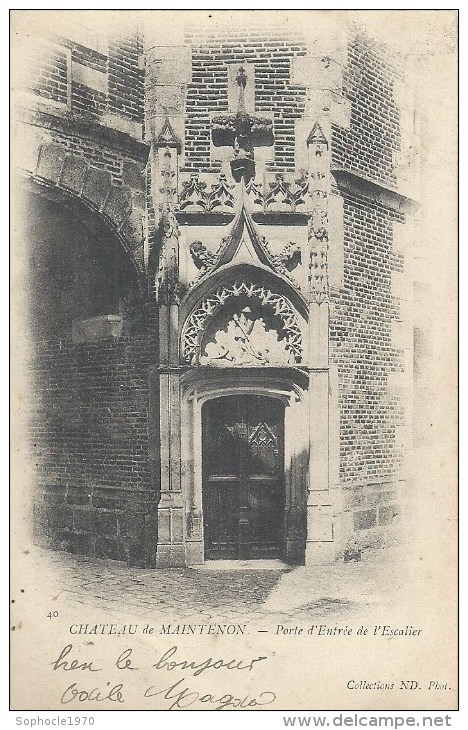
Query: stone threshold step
[(243, 565)]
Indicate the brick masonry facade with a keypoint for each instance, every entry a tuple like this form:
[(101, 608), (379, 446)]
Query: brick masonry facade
[(364, 310), (87, 140), (89, 417), (271, 52), (362, 348), (369, 146)]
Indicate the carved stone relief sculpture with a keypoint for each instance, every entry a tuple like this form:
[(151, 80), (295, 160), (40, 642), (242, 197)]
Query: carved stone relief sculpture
[(246, 339), (202, 258), (271, 335), (243, 132)]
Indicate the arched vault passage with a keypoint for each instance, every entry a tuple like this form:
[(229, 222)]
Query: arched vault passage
[(76, 268), (92, 220), (70, 177)]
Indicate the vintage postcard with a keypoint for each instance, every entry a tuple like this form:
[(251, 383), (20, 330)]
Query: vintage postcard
[(234, 288)]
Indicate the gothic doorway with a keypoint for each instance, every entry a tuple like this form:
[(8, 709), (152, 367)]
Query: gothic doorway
[(243, 477)]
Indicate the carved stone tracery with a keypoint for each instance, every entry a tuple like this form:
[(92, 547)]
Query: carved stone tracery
[(167, 281), (319, 184), (286, 193), (278, 305), (279, 194), (263, 435), (194, 194), (168, 177)]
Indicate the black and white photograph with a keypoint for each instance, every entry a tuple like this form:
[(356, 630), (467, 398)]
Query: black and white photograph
[(234, 360)]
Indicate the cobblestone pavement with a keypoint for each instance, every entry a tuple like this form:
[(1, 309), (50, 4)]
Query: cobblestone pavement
[(241, 593)]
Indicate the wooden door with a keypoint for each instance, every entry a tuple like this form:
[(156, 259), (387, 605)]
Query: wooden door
[(243, 483)]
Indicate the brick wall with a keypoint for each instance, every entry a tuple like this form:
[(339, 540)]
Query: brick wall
[(369, 146), (87, 101), (363, 311), (361, 346), (89, 410), (88, 86), (89, 401), (100, 436), (126, 77), (116, 86), (46, 72), (274, 94), (89, 443)]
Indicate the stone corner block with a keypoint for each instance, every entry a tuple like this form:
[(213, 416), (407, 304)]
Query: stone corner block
[(317, 72), (320, 553), (96, 187), (88, 76), (118, 206), (25, 153), (121, 124), (51, 160), (133, 175), (325, 103), (73, 174), (133, 229), (106, 326), (169, 64), (328, 38)]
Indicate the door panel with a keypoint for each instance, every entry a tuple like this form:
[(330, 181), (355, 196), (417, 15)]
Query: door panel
[(243, 486), (221, 531), (265, 507)]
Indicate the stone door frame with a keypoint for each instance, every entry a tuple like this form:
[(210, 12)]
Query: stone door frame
[(194, 396), (308, 516), (251, 472), (308, 511)]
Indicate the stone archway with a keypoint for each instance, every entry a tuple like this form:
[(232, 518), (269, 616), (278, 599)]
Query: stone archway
[(183, 393), (271, 305), (70, 176), (288, 387), (295, 369), (239, 327)]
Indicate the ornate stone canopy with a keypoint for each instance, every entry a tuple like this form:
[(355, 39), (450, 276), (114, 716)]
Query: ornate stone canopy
[(242, 230)]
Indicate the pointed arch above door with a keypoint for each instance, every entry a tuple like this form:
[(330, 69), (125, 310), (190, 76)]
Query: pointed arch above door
[(278, 335)]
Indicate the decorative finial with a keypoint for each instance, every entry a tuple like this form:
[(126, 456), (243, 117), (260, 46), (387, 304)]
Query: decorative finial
[(243, 132), (241, 78)]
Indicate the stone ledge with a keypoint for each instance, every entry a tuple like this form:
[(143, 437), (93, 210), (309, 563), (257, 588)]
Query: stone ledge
[(103, 327), (123, 125), (353, 182), (63, 122)]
